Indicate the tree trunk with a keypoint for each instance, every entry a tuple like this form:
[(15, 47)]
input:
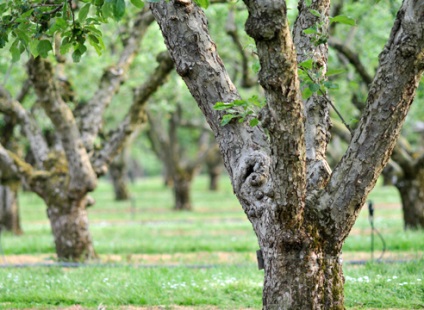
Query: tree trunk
[(182, 188), (214, 167), (213, 180), (9, 210), (118, 174), (297, 277), (69, 223), (412, 196)]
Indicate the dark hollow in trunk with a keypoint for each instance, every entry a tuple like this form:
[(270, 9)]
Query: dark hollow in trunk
[(9, 210), (412, 195), (69, 223)]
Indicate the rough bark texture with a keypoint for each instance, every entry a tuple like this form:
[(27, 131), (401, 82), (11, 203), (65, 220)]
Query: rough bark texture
[(9, 210), (300, 221), (69, 223)]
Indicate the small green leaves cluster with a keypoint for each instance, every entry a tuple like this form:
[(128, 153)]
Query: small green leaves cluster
[(241, 110), (318, 31), (313, 80), (31, 25)]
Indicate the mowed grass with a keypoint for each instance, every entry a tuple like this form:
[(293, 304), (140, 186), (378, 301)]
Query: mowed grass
[(215, 234)]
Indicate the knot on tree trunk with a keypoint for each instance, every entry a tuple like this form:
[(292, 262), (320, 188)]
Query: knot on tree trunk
[(266, 18)]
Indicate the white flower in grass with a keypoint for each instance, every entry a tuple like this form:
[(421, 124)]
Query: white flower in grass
[(394, 277), (388, 280), (419, 280)]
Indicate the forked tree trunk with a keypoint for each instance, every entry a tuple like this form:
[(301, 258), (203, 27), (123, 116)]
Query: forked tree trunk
[(412, 196), (9, 210), (182, 188), (69, 223)]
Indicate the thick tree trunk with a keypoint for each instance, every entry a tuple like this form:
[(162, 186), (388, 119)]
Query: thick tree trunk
[(9, 210), (69, 223), (412, 195), (301, 278), (182, 188), (118, 174)]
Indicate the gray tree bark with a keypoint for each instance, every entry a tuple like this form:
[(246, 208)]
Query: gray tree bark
[(300, 210)]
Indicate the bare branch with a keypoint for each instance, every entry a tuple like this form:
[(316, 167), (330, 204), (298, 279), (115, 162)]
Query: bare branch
[(136, 115), (231, 29), (353, 59), (113, 77), (36, 140), (82, 177), (401, 67)]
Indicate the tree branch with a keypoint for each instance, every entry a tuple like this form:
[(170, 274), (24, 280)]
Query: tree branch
[(353, 59), (112, 79), (401, 67), (317, 123), (231, 29), (31, 130), (135, 117), (82, 177)]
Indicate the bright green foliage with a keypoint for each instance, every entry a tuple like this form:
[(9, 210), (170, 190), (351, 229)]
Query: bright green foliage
[(23, 22), (241, 109)]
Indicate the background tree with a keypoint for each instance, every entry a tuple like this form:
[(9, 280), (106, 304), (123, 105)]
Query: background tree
[(301, 211), (182, 146), (63, 177), (405, 170)]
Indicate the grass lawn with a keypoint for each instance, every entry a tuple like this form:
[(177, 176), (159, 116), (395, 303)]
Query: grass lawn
[(216, 235)]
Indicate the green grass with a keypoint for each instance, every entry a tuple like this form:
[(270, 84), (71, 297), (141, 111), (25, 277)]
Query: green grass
[(228, 287), (148, 225)]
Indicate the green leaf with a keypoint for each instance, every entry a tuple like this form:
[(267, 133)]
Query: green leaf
[(330, 85), (310, 30), (335, 72), (15, 51), (44, 47), (202, 3), (314, 87), (256, 66), (107, 8), (239, 103), (306, 93), (254, 122), (315, 13), (343, 19), (118, 9), (33, 44), (138, 3), (82, 15), (226, 119), (219, 106), (307, 64), (22, 36)]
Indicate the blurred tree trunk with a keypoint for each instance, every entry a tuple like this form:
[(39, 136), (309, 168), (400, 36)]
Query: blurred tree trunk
[(118, 173), (214, 165), (411, 191), (182, 189), (69, 223), (9, 210)]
